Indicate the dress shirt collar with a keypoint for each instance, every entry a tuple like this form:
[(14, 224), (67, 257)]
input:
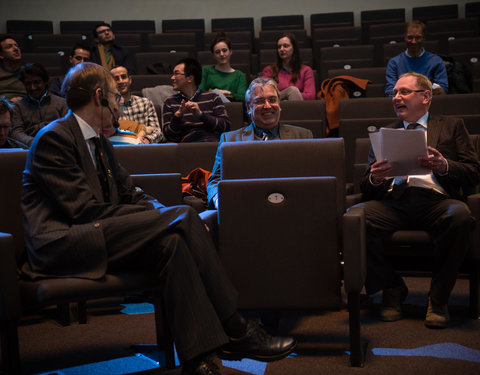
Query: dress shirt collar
[(422, 121), (86, 129), (271, 133), (421, 53)]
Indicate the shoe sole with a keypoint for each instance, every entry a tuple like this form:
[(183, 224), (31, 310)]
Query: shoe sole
[(238, 356), (435, 325)]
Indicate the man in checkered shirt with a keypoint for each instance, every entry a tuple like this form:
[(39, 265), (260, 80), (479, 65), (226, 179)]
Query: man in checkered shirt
[(137, 109)]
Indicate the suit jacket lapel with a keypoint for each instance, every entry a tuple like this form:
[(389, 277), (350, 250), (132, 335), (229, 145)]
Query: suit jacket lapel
[(86, 162), (434, 129)]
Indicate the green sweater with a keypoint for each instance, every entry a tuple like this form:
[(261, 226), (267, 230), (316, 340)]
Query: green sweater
[(235, 82)]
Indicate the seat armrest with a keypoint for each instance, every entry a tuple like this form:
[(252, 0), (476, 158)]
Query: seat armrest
[(9, 290), (353, 199), (210, 218), (473, 202), (354, 249)]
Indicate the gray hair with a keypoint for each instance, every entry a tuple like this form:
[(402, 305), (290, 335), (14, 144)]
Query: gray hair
[(259, 82)]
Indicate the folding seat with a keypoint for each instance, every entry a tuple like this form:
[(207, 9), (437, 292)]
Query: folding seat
[(473, 10), (134, 42), (343, 57), (476, 78), (166, 59), (267, 38), (239, 40), (78, 27), (56, 43), (435, 12), (449, 29), (24, 42), (356, 115), (291, 22), (141, 81), (29, 27), (310, 114), (380, 16), (376, 75), (385, 33), (233, 24), (54, 63), (270, 185), (133, 26), (336, 36), (196, 26), (191, 155), (166, 42), (336, 19), (465, 50), (269, 56), (235, 112), (459, 105)]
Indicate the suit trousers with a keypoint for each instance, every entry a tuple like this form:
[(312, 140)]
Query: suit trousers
[(448, 221), (173, 242)]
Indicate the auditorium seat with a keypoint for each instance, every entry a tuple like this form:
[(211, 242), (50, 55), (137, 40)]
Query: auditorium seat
[(56, 43), (145, 59), (54, 63), (196, 25), (290, 22), (134, 42), (435, 12), (29, 27), (78, 27), (268, 38), (269, 56), (334, 19), (346, 57), (310, 114), (133, 26), (376, 75), (456, 28), (336, 36), (233, 24), (393, 49), (172, 41), (239, 40), (379, 16)]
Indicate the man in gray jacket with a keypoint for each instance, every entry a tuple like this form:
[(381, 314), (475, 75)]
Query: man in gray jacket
[(263, 106)]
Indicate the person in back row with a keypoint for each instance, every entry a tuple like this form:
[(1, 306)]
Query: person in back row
[(416, 59), (227, 82), (263, 107), (193, 115), (10, 63), (295, 80), (6, 110)]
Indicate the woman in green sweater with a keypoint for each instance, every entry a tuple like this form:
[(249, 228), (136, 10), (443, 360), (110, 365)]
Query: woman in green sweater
[(229, 83)]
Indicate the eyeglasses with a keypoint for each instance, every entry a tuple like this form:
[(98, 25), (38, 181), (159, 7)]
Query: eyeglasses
[(403, 92), (121, 76), (104, 31), (263, 101), (219, 51), (417, 38), (176, 74), (81, 58), (118, 96)]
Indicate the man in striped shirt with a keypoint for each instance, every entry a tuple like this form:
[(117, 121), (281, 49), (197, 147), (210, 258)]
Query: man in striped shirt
[(193, 115)]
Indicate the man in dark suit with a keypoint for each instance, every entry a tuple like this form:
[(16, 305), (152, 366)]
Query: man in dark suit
[(263, 107), (431, 202), (78, 203)]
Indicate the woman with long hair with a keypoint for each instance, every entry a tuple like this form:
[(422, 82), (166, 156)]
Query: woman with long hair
[(229, 83), (295, 80)]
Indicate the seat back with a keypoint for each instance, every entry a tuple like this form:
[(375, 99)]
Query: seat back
[(152, 158), (144, 59), (286, 158), (29, 27), (435, 12), (191, 155), (285, 239), (291, 22), (335, 19), (233, 24), (133, 26)]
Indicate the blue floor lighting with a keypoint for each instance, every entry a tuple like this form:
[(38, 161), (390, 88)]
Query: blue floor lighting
[(446, 350)]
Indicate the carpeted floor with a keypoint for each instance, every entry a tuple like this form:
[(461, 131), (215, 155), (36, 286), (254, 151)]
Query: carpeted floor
[(103, 346)]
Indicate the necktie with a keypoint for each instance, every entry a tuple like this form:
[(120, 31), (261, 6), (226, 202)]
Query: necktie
[(102, 169), (400, 182)]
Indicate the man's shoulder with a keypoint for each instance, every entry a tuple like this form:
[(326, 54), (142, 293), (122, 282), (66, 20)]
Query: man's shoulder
[(238, 134), (292, 131)]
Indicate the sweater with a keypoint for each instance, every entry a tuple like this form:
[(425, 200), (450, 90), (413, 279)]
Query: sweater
[(305, 81), (427, 64), (235, 81)]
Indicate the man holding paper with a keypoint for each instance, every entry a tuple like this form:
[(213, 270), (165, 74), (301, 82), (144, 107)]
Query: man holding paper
[(430, 200)]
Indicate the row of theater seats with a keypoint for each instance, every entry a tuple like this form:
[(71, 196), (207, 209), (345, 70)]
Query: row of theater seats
[(290, 22)]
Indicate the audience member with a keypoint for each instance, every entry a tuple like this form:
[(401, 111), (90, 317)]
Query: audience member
[(10, 63), (295, 80), (106, 52), (227, 82), (263, 107), (432, 202), (416, 59), (6, 111), (80, 53), (193, 115), (76, 226), (38, 107), (137, 109)]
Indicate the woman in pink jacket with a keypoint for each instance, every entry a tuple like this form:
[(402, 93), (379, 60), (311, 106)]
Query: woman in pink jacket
[(295, 80)]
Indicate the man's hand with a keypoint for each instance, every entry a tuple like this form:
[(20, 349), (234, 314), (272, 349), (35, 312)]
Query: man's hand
[(144, 140), (379, 171), (434, 161), (181, 110), (192, 107)]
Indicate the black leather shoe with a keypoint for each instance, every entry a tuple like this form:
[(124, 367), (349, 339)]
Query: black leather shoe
[(204, 366), (257, 344), (392, 302)]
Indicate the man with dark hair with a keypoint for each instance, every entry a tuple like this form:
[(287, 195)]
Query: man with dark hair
[(6, 124), (38, 107), (10, 63), (263, 106), (416, 59), (76, 217), (106, 52), (79, 53), (432, 201), (193, 115), (137, 111)]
